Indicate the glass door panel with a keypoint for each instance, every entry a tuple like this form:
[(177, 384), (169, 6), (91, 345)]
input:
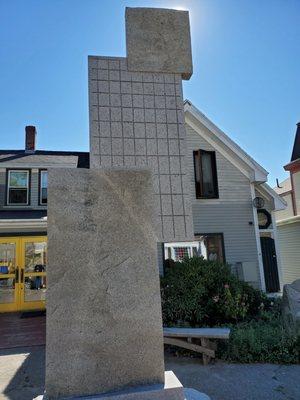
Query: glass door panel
[(8, 275), (33, 274)]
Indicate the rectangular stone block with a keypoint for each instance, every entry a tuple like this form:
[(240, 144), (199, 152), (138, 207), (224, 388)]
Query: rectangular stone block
[(158, 40), (140, 129), (104, 326)]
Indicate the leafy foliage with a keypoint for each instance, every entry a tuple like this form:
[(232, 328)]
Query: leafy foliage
[(261, 340), (199, 292)]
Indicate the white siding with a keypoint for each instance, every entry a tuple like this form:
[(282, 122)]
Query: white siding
[(232, 213), (288, 211), (289, 240)]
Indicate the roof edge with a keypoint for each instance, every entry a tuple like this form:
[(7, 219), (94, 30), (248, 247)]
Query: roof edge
[(245, 157), (279, 202)]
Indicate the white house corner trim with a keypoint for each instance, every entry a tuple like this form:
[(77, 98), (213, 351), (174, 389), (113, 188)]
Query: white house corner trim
[(258, 245), (277, 249)]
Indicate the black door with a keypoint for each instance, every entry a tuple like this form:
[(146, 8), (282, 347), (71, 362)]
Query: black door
[(270, 264)]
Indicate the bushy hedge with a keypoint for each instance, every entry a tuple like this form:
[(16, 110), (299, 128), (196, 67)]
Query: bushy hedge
[(260, 340), (198, 292)]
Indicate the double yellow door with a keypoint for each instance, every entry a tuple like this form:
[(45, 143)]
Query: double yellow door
[(23, 263)]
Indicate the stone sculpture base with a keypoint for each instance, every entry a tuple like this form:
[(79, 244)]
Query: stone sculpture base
[(171, 390)]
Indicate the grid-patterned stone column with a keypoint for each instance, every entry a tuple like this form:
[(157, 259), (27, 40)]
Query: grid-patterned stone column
[(137, 120)]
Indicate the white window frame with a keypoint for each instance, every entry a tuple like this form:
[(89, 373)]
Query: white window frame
[(11, 187), (43, 171)]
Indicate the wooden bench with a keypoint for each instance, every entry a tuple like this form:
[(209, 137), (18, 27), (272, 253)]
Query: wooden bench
[(183, 337)]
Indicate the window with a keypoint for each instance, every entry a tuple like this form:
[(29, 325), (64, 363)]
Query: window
[(43, 186), (181, 250), (211, 246), (18, 187), (206, 182)]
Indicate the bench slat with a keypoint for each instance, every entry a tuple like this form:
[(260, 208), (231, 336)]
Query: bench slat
[(212, 333)]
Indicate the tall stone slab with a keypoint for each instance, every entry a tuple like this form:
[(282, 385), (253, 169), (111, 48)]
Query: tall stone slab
[(137, 120), (104, 326)]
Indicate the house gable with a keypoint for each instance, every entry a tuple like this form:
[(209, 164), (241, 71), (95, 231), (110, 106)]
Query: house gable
[(233, 184), (219, 140)]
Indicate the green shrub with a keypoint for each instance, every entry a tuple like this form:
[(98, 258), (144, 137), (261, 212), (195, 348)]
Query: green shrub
[(263, 340), (199, 292)]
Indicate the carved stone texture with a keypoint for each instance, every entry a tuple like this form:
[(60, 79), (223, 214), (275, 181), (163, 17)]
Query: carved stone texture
[(104, 326), (159, 40), (137, 120)]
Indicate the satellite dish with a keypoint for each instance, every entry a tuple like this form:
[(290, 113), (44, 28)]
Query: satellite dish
[(258, 202)]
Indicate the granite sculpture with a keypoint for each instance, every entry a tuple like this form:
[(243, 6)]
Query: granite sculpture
[(104, 325)]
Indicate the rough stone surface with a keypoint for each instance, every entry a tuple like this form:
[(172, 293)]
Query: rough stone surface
[(170, 390), (291, 306), (137, 120), (159, 40), (104, 327)]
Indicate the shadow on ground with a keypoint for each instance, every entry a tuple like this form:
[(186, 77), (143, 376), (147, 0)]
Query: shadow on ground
[(22, 373)]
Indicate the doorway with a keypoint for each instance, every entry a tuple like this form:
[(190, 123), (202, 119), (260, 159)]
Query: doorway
[(270, 264), (23, 263)]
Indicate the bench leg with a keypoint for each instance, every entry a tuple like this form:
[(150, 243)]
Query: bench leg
[(208, 345)]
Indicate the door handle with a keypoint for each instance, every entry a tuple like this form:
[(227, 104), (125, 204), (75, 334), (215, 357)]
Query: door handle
[(17, 275)]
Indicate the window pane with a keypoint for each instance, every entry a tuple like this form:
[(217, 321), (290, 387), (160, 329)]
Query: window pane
[(35, 288), (44, 179), (211, 247), (35, 256), (17, 196), (207, 175), (18, 179), (44, 196), (180, 253), (43, 188), (7, 266), (180, 250)]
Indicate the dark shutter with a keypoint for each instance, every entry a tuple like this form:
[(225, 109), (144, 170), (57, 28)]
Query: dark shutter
[(202, 185), (197, 172)]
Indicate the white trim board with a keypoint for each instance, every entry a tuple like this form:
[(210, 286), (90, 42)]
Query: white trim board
[(246, 164)]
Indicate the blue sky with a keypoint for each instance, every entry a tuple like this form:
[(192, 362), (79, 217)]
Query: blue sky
[(246, 69)]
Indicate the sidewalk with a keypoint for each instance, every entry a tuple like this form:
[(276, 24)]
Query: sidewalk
[(22, 377), (21, 332)]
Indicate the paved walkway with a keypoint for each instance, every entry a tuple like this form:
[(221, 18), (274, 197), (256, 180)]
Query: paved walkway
[(21, 332), (22, 377)]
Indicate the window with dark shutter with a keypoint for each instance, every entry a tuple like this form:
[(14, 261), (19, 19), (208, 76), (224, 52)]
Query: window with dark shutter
[(206, 182)]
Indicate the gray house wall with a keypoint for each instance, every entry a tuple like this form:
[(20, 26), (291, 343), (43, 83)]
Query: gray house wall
[(231, 214), (34, 192), (33, 163)]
